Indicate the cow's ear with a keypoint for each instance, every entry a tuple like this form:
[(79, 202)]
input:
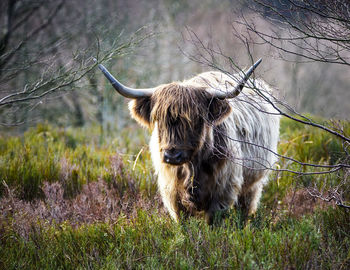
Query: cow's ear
[(218, 110), (140, 110)]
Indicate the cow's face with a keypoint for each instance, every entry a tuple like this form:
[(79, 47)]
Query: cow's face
[(183, 117)]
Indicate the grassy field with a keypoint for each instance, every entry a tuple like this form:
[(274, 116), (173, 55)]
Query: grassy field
[(87, 199)]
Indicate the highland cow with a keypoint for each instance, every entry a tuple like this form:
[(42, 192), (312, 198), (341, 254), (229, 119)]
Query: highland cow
[(210, 148)]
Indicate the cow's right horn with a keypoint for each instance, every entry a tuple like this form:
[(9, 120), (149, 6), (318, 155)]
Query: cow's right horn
[(124, 90), (237, 90)]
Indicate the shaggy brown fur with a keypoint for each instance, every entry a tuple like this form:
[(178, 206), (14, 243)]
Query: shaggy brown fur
[(183, 115), (216, 169)]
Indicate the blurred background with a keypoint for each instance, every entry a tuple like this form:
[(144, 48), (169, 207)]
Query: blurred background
[(47, 73)]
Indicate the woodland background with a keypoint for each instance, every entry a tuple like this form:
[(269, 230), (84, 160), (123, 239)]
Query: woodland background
[(48, 44)]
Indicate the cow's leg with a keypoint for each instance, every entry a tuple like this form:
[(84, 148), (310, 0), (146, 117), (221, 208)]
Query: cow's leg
[(255, 192), (218, 210), (248, 201), (219, 206), (209, 216), (216, 217)]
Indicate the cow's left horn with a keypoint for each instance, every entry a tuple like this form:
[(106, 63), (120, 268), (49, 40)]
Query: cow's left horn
[(235, 92), (124, 90)]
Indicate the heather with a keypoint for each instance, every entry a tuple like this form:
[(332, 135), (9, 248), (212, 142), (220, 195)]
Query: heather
[(79, 198)]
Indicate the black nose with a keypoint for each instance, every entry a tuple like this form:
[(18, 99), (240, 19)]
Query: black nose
[(173, 156)]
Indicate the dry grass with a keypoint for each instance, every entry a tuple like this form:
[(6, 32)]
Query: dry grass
[(97, 202)]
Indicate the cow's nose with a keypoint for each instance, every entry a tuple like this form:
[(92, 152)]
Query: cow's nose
[(173, 156)]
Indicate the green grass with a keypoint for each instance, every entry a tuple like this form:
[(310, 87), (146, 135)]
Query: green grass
[(152, 241), (72, 157), (142, 236)]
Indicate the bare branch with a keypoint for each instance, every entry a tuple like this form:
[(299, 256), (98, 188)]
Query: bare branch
[(333, 195), (322, 30), (6, 57)]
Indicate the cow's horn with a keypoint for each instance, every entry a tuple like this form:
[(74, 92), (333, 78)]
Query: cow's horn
[(124, 90), (235, 92)]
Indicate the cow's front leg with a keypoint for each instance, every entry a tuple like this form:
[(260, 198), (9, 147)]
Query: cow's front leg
[(248, 201), (216, 213)]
